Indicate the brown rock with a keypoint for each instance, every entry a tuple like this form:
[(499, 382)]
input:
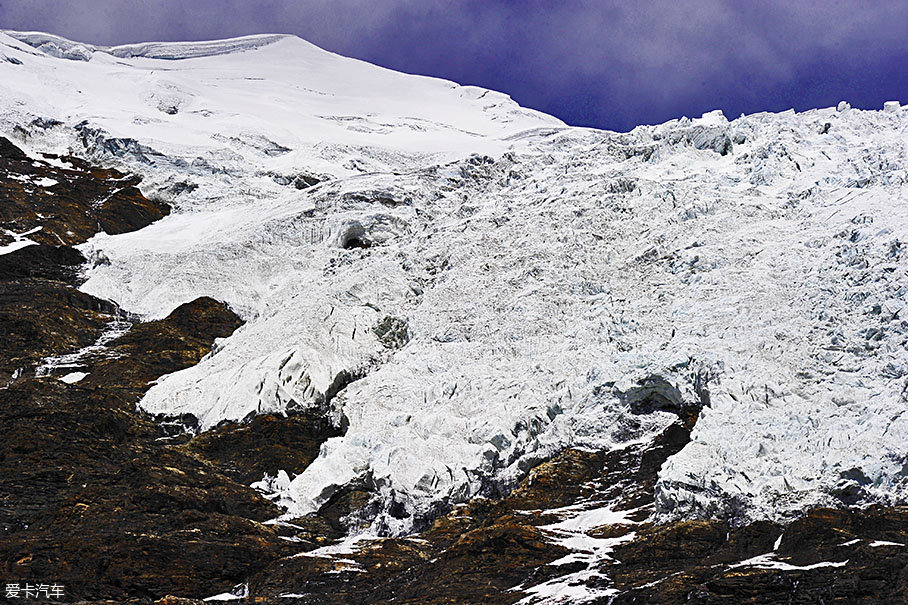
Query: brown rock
[(152, 349), (267, 444), (41, 318), (85, 199)]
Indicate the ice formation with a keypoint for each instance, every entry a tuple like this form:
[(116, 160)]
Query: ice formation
[(471, 286)]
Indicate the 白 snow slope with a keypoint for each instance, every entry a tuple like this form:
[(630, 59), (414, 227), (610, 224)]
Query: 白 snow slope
[(536, 285), (256, 104)]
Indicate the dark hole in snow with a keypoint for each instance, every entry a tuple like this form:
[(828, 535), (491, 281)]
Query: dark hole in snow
[(357, 242), (655, 394), (354, 236)]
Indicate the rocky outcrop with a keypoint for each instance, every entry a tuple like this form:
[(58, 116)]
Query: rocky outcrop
[(95, 496), (149, 350), (40, 318), (266, 445), (57, 263), (829, 556), (64, 200)]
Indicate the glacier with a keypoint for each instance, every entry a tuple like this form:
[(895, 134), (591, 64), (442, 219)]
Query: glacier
[(469, 286)]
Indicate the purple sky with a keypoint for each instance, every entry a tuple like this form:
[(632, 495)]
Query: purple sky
[(599, 63)]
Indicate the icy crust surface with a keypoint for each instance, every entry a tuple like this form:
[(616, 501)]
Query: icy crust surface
[(60, 47), (469, 315)]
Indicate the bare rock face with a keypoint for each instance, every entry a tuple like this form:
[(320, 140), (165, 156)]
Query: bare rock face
[(58, 263), (266, 445), (69, 204), (40, 318), (94, 496), (830, 556), (149, 350)]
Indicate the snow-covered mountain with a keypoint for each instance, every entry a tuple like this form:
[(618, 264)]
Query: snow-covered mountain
[(469, 286)]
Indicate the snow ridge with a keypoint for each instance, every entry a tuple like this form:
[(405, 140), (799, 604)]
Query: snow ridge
[(57, 46)]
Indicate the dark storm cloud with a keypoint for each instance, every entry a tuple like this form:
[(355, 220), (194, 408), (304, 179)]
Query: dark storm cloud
[(593, 62)]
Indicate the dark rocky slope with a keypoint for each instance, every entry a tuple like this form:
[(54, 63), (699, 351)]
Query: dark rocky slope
[(69, 199)]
